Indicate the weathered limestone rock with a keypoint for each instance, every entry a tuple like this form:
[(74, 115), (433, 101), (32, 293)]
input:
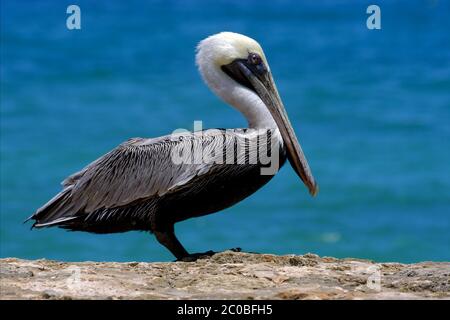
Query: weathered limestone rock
[(226, 275)]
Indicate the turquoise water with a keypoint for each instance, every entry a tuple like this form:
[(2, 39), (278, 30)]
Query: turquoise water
[(371, 108)]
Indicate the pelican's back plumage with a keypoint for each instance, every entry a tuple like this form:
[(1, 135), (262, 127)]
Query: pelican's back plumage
[(138, 184)]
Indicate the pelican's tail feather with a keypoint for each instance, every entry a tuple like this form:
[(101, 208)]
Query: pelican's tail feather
[(57, 211)]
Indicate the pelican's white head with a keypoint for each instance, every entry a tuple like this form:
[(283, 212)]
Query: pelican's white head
[(235, 68), (225, 47), (219, 50)]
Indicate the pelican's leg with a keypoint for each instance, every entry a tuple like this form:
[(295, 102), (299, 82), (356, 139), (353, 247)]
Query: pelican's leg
[(168, 239)]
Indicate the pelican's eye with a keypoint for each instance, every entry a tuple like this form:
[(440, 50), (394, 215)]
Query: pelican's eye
[(256, 64), (254, 59)]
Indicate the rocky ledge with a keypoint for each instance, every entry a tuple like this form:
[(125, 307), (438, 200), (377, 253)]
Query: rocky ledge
[(226, 275)]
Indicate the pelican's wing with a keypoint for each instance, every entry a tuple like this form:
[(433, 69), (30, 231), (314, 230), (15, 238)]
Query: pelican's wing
[(135, 170)]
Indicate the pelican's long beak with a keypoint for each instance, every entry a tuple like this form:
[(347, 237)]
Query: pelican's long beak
[(262, 82)]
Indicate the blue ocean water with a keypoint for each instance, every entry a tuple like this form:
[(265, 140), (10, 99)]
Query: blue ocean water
[(371, 109)]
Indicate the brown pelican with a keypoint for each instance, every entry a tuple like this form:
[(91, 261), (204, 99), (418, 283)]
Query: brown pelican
[(147, 184)]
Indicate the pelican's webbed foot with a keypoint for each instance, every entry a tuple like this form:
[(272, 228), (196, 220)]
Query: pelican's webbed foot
[(166, 236), (203, 255), (195, 256)]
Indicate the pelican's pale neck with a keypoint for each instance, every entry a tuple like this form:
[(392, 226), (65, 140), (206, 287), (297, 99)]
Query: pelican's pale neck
[(240, 97)]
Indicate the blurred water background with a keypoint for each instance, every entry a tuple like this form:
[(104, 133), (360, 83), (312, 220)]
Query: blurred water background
[(371, 108)]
